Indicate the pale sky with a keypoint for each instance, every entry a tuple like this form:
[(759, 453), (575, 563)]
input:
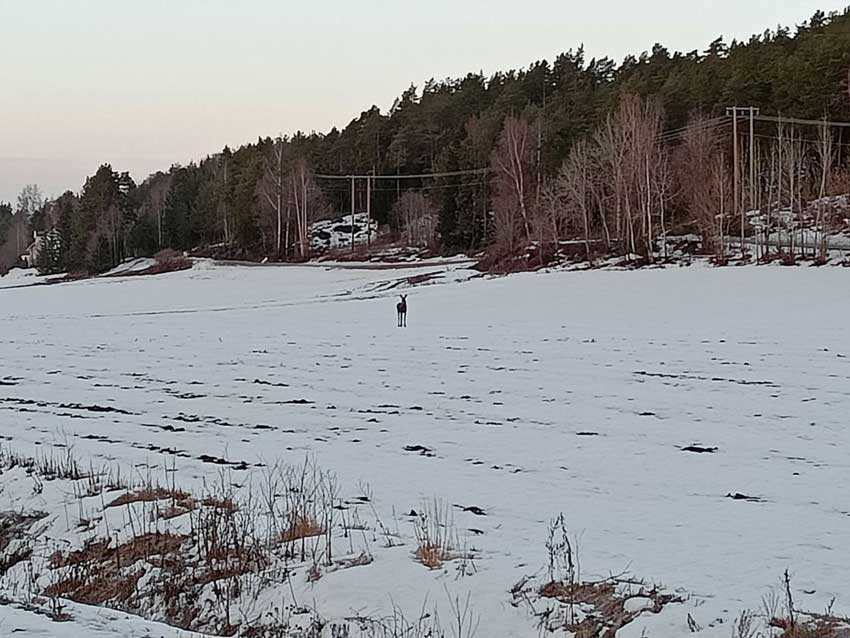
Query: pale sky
[(143, 85)]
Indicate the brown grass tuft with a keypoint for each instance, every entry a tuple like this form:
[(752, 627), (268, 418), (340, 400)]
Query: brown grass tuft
[(608, 604), (151, 494), (432, 556), (302, 526), (99, 589)]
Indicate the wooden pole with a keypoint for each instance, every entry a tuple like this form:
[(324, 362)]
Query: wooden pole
[(369, 212), (352, 214)]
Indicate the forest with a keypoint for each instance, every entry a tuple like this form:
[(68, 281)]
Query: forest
[(581, 152)]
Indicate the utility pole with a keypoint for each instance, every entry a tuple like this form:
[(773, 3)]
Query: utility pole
[(226, 212), (352, 213), (734, 112), (735, 187), (753, 113), (369, 210)]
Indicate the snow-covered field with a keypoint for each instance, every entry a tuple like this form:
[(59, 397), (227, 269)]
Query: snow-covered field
[(519, 398)]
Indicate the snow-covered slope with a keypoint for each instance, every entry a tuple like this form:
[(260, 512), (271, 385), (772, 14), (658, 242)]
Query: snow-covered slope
[(336, 233), (635, 403), (19, 277)]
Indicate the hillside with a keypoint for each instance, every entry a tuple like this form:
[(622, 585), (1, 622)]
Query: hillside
[(244, 197)]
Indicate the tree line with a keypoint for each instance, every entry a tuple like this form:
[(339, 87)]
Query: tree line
[(610, 155)]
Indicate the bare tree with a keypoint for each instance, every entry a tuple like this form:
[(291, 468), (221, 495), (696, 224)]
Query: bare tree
[(511, 164), (272, 189), (547, 217), (222, 170), (416, 218), (663, 185), (793, 161), (159, 197), (574, 187), (825, 153), (630, 150), (307, 202), (611, 150), (697, 165), (30, 201), (721, 191)]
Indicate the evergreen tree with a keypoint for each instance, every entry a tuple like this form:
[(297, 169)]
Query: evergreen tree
[(49, 260)]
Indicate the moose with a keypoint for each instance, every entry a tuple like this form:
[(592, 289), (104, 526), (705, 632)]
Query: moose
[(401, 306)]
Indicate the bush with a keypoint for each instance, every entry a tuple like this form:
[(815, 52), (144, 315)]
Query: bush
[(169, 260)]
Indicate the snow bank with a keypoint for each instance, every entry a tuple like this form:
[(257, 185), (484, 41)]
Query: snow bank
[(18, 277), (131, 267)]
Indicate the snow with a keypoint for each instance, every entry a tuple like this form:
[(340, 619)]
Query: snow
[(536, 394), (336, 233), (638, 604), (131, 266), (87, 623), (18, 277)]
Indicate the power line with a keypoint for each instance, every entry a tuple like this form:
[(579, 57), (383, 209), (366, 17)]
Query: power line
[(795, 120), (667, 136), (474, 171), (786, 139), (708, 125), (344, 189)]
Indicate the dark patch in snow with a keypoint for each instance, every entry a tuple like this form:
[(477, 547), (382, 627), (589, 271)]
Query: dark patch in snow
[(698, 449), (420, 449), (737, 496), (185, 395), (67, 406), (236, 465), (269, 383)]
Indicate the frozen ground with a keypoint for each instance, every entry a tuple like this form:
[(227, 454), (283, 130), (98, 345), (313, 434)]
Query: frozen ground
[(533, 394)]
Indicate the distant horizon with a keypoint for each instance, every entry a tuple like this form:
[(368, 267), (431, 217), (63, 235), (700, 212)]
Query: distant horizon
[(139, 113)]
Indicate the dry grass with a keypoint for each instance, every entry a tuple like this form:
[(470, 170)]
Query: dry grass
[(176, 511), (784, 616), (100, 574), (97, 589), (101, 551), (168, 260), (563, 601), (436, 537), (15, 532), (607, 602), (301, 526), (432, 556), (148, 545), (151, 494), (206, 571), (818, 628)]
